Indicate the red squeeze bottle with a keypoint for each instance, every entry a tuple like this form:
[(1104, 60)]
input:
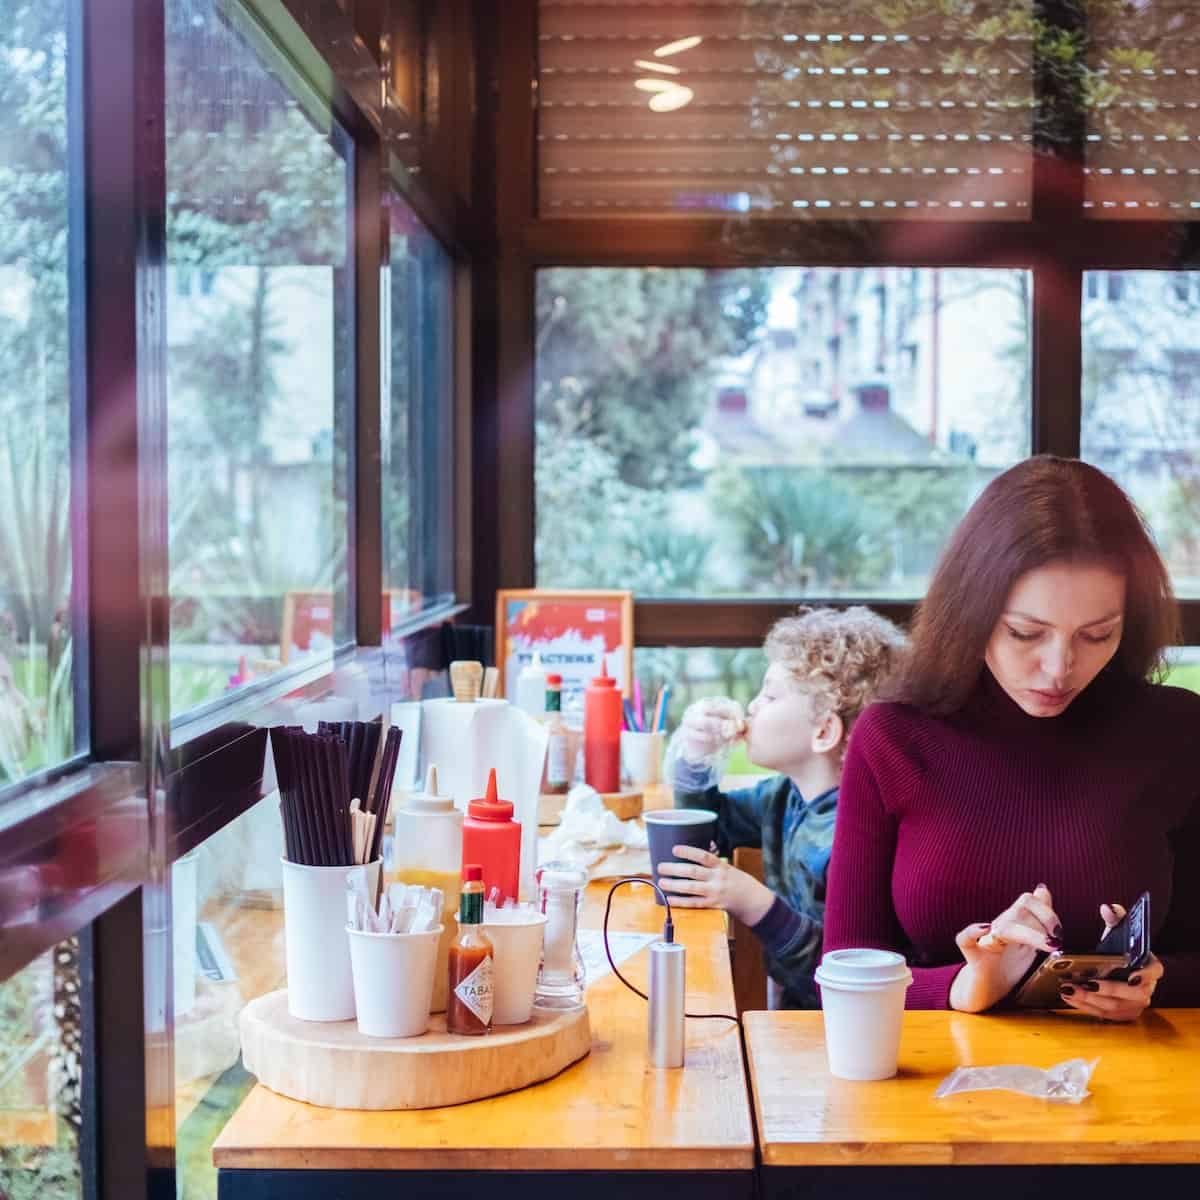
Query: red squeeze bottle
[(493, 839), (602, 719)]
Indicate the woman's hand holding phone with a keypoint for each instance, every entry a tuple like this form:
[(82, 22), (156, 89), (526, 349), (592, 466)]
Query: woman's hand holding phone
[(1109, 999), (998, 953)]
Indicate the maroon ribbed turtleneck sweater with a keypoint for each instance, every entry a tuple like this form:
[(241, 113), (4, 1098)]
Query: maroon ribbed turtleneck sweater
[(945, 821)]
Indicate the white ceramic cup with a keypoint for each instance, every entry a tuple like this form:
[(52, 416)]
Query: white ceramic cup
[(517, 945), (320, 985), (641, 757), (862, 999), (393, 981)]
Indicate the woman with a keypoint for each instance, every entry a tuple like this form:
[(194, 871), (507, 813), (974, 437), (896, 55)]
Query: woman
[(1026, 779)]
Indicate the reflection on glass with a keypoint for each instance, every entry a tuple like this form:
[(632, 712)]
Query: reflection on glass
[(1138, 91), (418, 528), (867, 110), (41, 1066), (227, 939), (260, 365), (697, 672), (775, 431), (1141, 402), (36, 686)]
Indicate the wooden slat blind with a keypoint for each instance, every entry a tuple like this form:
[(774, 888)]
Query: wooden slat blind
[(884, 108), (1142, 93)]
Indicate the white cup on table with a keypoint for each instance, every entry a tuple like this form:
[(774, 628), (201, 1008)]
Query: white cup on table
[(641, 757), (862, 1000), (393, 981)]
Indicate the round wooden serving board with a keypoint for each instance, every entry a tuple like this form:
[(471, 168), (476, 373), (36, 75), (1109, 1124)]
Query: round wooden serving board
[(332, 1064)]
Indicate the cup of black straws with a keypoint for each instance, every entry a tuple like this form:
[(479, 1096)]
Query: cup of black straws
[(334, 787)]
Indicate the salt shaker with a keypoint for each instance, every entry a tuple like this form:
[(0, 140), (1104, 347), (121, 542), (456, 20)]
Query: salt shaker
[(561, 976)]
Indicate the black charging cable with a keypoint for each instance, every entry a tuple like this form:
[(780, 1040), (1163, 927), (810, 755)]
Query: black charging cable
[(668, 936)]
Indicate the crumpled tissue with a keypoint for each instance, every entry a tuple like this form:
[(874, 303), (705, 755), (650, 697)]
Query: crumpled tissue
[(588, 830)]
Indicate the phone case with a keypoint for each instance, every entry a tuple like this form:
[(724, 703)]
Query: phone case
[(1121, 951)]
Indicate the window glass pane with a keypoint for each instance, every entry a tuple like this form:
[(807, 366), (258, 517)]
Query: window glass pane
[(1141, 402), (696, 672), (41, 1060), (36, 653), (260, 357), (1139, 99), (227, 939), (788, 431), (866, 108), (1184, 668), (418, 497)]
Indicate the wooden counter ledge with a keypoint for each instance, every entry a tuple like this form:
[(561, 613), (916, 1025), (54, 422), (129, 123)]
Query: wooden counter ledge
[(1143, 1107), (610, 1111)]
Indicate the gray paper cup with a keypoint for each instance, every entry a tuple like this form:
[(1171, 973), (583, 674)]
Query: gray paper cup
[(669, 827)]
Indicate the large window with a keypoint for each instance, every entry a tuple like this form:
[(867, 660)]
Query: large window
[(418, 428), (862, 109), (41, 1061), (37, 648), (260, 357), (1141, 402), (227, 946), (778, 431)]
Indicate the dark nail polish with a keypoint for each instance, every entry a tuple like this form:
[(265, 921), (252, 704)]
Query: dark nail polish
[(1058, 933), (1135, 981), (1067, 990), (1054, 943), (1090, 986)]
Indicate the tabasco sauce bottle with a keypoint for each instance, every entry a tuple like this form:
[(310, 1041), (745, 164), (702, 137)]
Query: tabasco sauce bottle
[(469, 1009)]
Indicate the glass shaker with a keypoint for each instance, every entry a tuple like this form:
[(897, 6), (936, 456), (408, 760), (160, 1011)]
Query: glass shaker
[(561, 976)]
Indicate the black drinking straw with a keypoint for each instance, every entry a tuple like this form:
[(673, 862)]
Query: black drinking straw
[(383, 788), (313, 800)]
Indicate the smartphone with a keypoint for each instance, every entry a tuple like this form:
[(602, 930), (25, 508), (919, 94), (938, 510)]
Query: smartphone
[(1124, 949)]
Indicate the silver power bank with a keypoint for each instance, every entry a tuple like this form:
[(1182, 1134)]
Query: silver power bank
[(666, 992)]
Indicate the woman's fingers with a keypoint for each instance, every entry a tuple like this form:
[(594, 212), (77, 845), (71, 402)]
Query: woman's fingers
[(971, 937), (1037, 904), (1013, 929), (1108, 1008), (1111, 915)]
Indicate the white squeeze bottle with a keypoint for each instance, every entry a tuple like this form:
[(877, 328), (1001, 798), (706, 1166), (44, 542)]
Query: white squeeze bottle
[(427, 849), (531, 688)]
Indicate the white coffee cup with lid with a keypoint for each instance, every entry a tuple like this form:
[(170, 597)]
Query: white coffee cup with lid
[(862, 998)]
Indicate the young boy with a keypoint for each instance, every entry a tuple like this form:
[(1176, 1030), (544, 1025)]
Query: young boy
[(826, 666)]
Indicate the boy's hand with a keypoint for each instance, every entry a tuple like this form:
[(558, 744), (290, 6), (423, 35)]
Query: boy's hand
[(706, 881), (708, 725)]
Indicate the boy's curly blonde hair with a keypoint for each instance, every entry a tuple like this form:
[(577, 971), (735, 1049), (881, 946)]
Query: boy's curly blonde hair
[(841, 657)]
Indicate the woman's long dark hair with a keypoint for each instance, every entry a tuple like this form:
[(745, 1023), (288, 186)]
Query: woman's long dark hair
[(1041, 511)]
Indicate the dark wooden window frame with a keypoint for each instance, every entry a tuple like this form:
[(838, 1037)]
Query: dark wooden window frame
[(1058, 244), (148, 789)]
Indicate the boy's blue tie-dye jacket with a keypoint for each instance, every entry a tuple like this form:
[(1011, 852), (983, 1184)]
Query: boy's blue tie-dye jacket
[(796, 837)]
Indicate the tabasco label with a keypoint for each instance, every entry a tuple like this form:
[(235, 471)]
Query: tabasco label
[(477, 990)]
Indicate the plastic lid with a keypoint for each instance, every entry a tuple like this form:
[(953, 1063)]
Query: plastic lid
[(472, 873), (490, 807), (604, 679), (561, 876), (554, 679), (863, 969)]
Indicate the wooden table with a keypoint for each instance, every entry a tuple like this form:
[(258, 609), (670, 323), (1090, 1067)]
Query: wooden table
[(893, 1138), (609, 1113)]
